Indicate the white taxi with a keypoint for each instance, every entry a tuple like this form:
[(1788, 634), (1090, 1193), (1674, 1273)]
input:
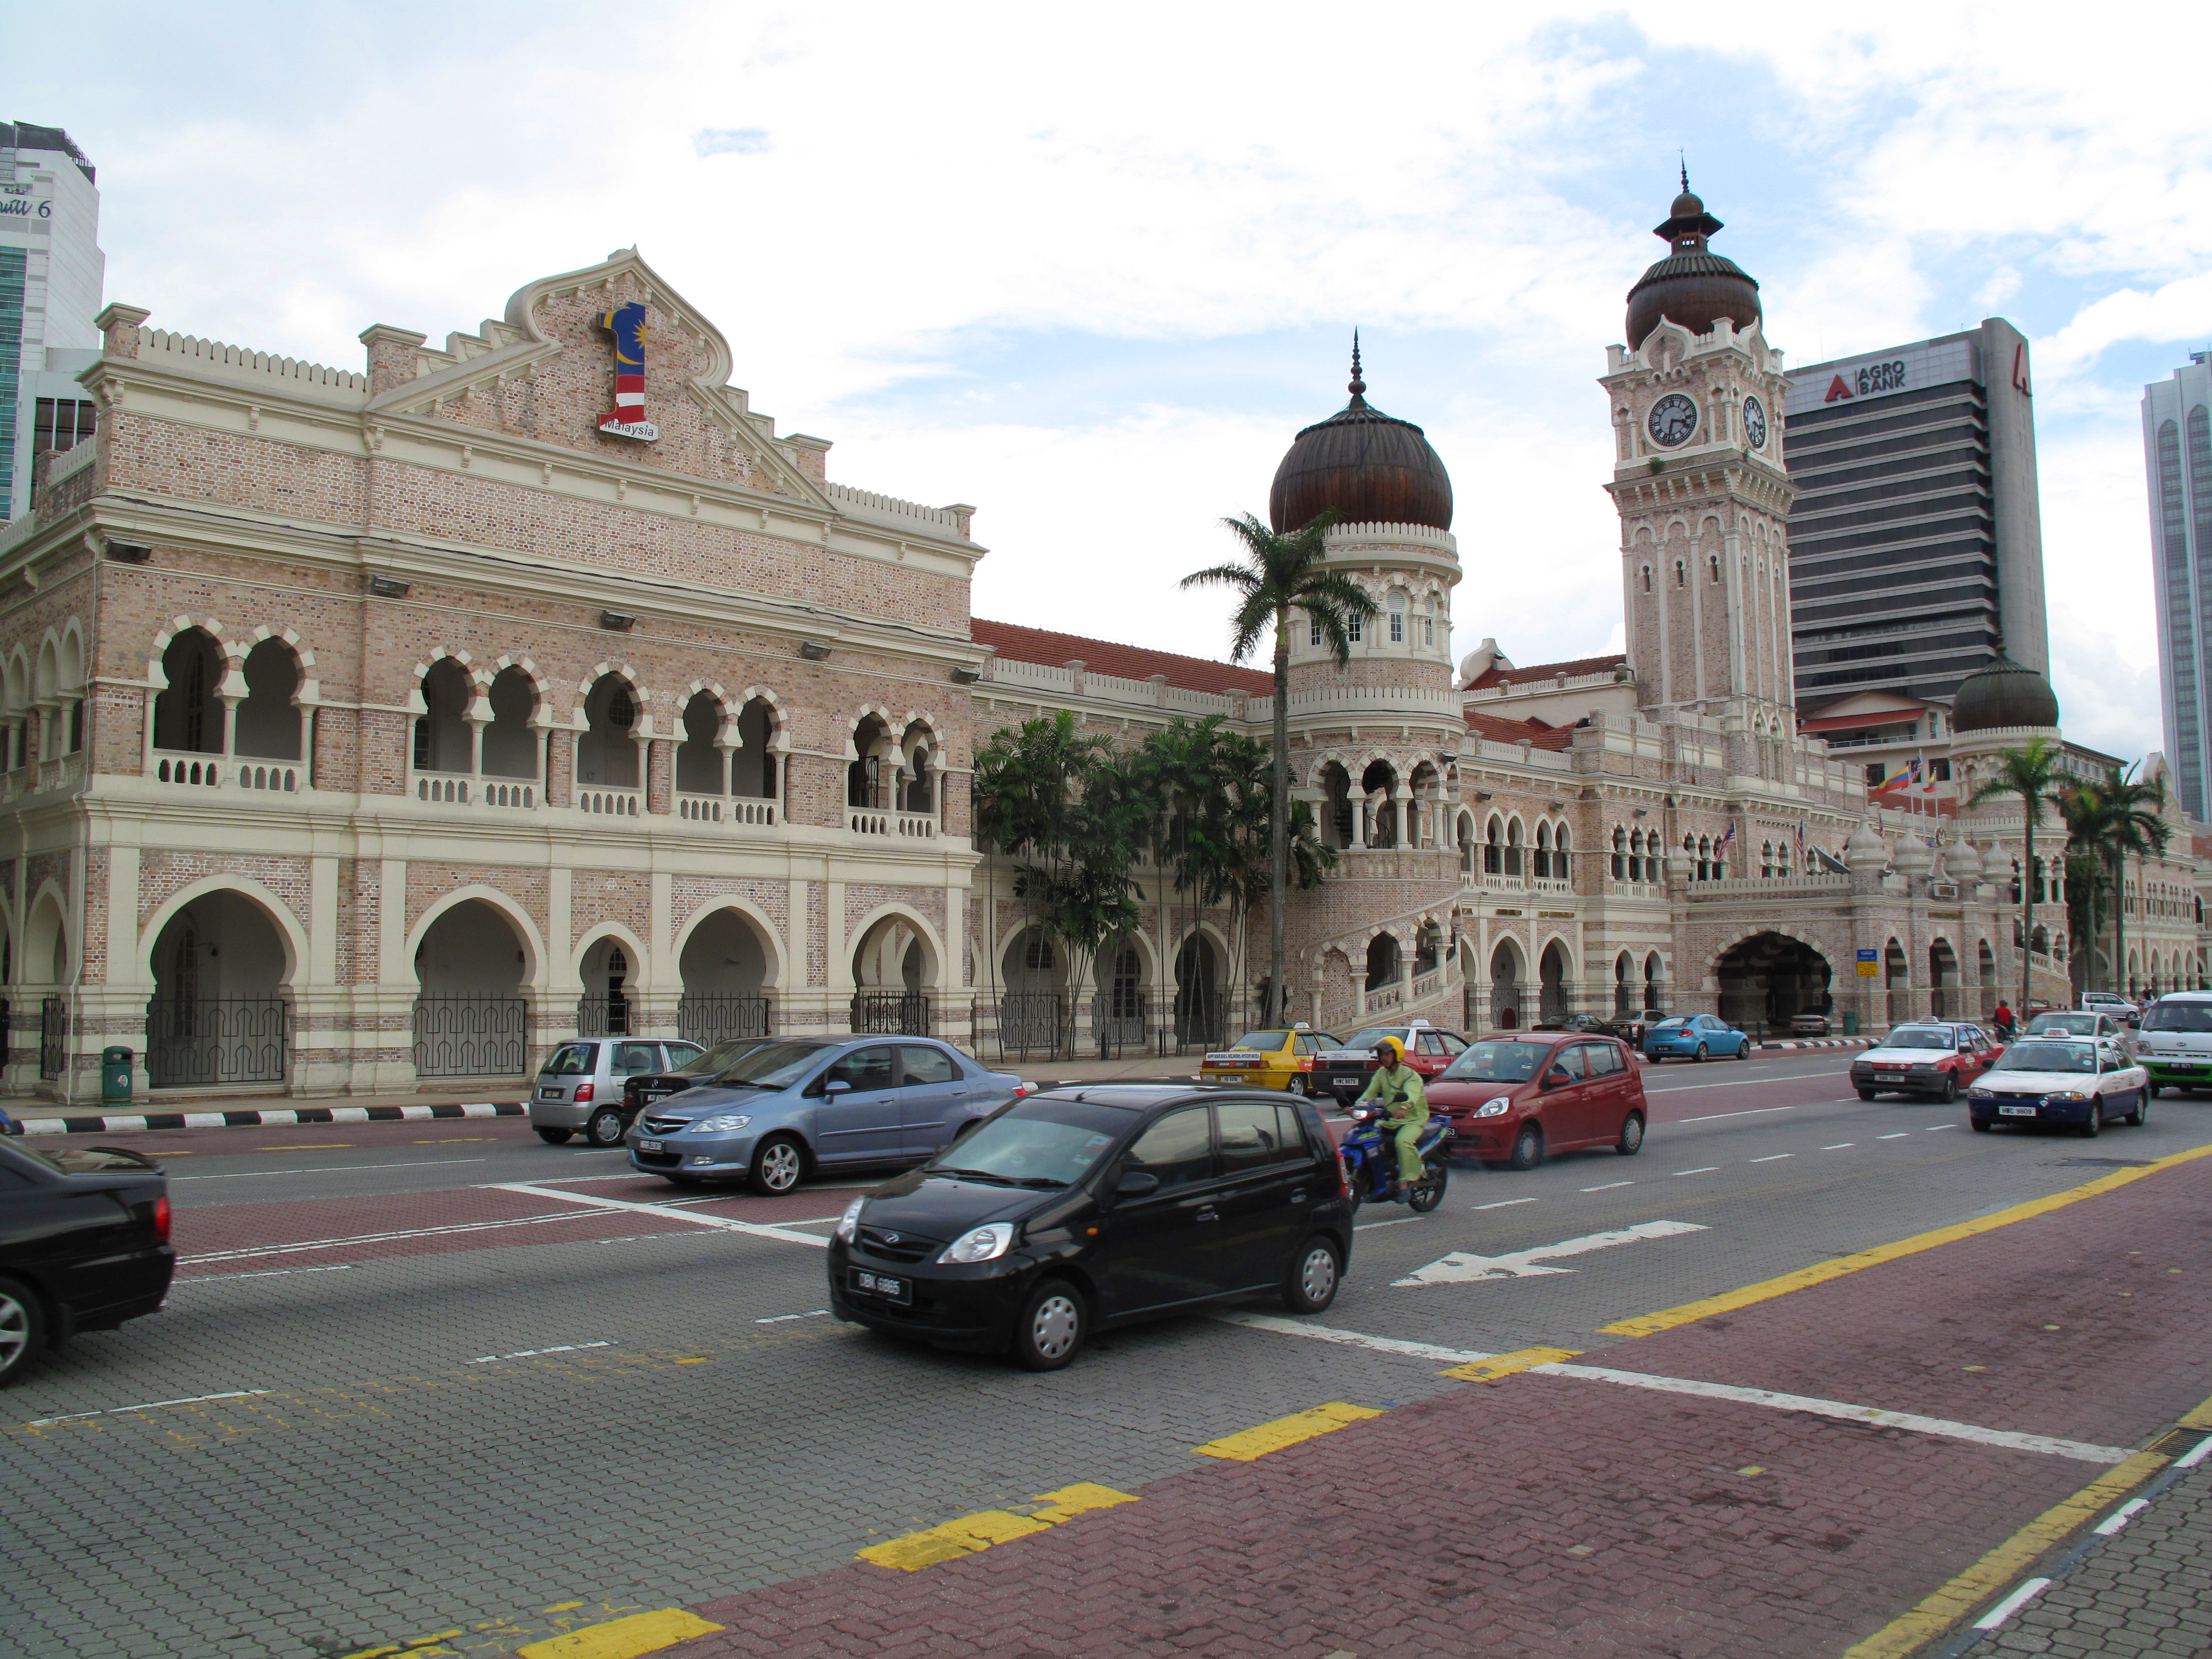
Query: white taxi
[(2048, 1080)]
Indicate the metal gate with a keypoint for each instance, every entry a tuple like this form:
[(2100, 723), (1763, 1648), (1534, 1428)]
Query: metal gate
[(607, 1016), (713, 1019), (890, 1014), (1118, 1021), (53, 1036), (470, 1037), (213, 1040), (1030, 1022)]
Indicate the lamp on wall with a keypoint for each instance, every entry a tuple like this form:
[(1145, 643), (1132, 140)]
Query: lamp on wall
[(814, 651), (129, 552), (620, 621), (1482, 794), (966, 676), (388, 587)]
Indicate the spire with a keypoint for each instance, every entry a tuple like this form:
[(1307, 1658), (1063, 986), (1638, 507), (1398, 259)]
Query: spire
[(1685, 162), (1359, 386)]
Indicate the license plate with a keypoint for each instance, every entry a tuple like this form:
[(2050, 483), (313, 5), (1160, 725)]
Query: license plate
[(648, 1146), (2016, 1111), (888, 1286), (548, 1094), (647, 1097)]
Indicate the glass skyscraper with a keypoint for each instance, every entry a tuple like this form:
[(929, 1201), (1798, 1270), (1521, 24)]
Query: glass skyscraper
[(51, 274), (2178, 454)]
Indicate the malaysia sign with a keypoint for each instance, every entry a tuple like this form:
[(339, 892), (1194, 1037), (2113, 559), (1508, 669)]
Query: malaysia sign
[(627, 419)]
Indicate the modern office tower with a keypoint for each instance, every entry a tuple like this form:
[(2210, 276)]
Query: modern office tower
[(2177, 455), (50, 269), (1916, 543)]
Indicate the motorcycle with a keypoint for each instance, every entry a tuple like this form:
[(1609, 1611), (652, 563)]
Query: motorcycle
[(1369, 1154)]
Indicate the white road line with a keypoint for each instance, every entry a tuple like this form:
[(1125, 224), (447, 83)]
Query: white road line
[(1902, 1134), (1462, 1266), (757, 1228), (1840, 1146), (2012, 1604), (331, 1169), (1501, 1204), (1749, 1111), (1874, 1416), (1608, 1186), (1366, 1226), (120, 1411), (1771, 1157), (1742, 1083), (1870, 1415), (533, 1353), (248, 1251), (778, 1319), (2120, 1517), (2193, 1455), (266, 1273), (1709, 1170)]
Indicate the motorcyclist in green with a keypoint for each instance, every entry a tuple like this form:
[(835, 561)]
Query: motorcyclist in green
[(1397, 1087)]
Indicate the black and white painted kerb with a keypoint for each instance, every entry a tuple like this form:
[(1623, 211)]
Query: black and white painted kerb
[(139, 1122)]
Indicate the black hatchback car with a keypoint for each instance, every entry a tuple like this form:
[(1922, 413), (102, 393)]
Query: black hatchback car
[(84, 1245), (700, 1072), (1082, 1209)]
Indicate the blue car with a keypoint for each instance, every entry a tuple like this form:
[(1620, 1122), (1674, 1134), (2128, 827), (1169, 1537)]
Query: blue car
[(800, 1104), (1696, 1037)]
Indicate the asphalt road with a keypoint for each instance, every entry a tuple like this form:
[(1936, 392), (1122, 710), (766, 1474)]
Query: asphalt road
[(393, 1395)]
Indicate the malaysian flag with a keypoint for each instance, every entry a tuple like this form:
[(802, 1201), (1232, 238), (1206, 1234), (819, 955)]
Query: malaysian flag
[(627, 324)]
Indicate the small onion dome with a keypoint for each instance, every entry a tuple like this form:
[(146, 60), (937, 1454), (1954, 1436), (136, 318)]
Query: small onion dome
[(1914, 856), (1866, 849), (1691, 286), (2005, 694), (1961, 862), (1367, 466)]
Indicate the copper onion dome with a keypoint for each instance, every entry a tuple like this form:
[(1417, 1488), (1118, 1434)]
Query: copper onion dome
[(1691, 286), (1367, 466), (2003, 695)]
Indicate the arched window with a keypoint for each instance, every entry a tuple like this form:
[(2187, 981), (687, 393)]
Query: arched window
[(187, 713), (1513, 860), (1429, 625), (1466, 845), (701, 768), (1543, 862), (866, 784), (510, 747), (268, 721), (1397, 618), (1647, 579), (1355, 626), (1620, 858), (441, 733), (752, 768), (1682, 574), (1560, 870), (606, 753), (1313, 630), (1704, 858), (1493, 849), (1716, 567)]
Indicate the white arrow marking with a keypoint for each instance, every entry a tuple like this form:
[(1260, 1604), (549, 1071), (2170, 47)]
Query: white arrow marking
[(1459, 1267)]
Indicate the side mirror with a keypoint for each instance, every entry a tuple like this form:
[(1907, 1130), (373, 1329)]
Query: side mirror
[(1136, 1183), (1557, 1076), (836, 1085)]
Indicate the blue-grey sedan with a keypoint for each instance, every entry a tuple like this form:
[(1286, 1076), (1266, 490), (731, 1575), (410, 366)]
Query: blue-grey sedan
[(801, 1104)]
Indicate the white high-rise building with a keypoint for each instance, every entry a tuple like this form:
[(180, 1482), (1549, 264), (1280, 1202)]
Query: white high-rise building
[(50, 273), (2177, 455)]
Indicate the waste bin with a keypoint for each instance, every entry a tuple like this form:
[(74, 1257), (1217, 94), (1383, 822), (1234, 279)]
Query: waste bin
[(1851, 1022), (115, 1076)]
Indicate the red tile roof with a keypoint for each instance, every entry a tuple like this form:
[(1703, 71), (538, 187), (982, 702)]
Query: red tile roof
[(1130, 662), (1545, 670), (1539, 735)]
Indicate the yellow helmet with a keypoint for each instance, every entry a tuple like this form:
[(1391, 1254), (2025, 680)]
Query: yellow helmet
[(1397, 1049)]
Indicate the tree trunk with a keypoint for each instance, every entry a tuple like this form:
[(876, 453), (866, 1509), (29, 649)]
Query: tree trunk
[(2027, 906), (2120, 925), (1278, 874)]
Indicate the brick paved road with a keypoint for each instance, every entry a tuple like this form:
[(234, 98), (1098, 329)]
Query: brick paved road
[(401, 1476)]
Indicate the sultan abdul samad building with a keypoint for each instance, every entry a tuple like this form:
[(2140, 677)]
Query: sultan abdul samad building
[(373, 727)]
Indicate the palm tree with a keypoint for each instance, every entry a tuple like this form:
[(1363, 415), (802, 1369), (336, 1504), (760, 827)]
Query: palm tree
[(1282, 573), (2031, 772), (2118, 817)]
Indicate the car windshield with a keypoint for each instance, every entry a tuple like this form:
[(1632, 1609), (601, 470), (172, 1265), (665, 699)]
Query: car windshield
[(1265, 1042), (2048, 1057), (774, 1064), (1035, 1142), (1921, 1036), (88, 1160), (1503, 1062), (2179, 1016), (2065, 1024), (571, 1059), (715, 1058), (1676, 1023), (1374, 1034)]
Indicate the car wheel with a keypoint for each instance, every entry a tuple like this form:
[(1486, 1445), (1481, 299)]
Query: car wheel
[(2152, 1090), (1314, 1277), (1744, 1051), (2142, 1111), (1866, 1094), (1981, 1127), (1527, 1148), (1428, 1192), (778, 1164), (1950, 1090), (1050, 1331), (555, 1137), (2089, 1128), (23, 1329), (1632, 1136), (605, 1128), (1700, 1056)]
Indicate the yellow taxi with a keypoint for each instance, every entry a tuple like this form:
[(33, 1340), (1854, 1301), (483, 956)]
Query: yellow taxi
[(1268, 1060)]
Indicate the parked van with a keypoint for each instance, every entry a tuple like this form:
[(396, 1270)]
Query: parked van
[(2175, 1043)]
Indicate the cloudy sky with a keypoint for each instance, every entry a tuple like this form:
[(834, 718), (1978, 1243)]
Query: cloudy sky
[(1089, 268)]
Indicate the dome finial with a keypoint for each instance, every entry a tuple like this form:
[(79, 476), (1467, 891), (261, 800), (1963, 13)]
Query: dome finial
[(1685, 161), (1359, 386)]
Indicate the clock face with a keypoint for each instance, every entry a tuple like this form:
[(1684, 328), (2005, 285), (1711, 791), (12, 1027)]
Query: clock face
[(1754, 422), (1674, 418)]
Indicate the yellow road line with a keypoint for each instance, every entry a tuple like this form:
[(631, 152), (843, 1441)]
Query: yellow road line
[(1940, 1611), (972, 1534), (1505, 1365), (415, 1646), (623, 1638), (1284, 1431), (1820, 1272), (2199, 1418)]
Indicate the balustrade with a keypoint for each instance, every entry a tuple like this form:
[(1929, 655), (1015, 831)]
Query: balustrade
[(724, 809), (611, 803), (194, 771), (285, 779)]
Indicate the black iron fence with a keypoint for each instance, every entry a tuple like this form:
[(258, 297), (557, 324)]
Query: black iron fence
[(470, 1037), (713, 1019), (1030, 1023), (53, 1036), (891, 1013), (607, 1016), (216, 1040), (1121, 1022)]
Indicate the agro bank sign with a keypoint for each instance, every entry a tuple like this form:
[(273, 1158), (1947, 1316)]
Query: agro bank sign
[(1880, 374), (627, 419)]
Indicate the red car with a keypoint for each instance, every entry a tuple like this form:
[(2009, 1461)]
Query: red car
[(1937, 1057), (1512, 1099), (1343, 1072)]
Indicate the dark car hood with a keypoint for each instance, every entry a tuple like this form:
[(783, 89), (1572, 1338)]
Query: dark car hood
[(931, 1205), (705, 1100)]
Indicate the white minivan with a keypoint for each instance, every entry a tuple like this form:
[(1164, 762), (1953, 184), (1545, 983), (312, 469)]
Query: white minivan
[(2175, 1043)]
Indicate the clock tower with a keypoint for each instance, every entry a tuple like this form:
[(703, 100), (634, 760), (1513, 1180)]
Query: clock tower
[(1704, 497)]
